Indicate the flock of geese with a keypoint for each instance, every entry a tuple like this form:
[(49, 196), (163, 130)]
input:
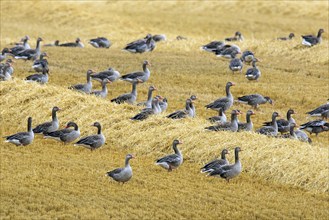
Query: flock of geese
[(157, 104)]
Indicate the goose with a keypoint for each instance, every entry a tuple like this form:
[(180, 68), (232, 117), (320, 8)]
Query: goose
[(159, 37), (100, 42), (172, 161), (65, 135), (227, 126), (238, 37), (129, 98), (4, 54), (86, 88), (229, 171), (163, 104), (77, 43), (220, 119), (253, 73), (291, 35), (141, 75), (92, 142), (325, 114), (141, 46), (4, 73), (229, 53), (124, 174), (319, 110), (148, 102), (55, 44), (41, 64), (310, 40), (248, 126), (102, 93), (39, 78), (224, 103), (271, 130), (19, 48), (48, 126), (111, 74), (145, 113), (22, 138), (10, 69), (179, 37), (247, 56), (25, 42), (284, 125), (236, 65), (291, 134), (30, 54), (254, 100), (212, 165), (192, 107), (302, 136), (212, 46), (187, 112), (316, 126)]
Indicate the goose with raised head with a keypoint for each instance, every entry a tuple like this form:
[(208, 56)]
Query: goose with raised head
[(248, 126), (65, 135), (102, 93), (22, 138), (179, 114), (311, 40), (172, 161), (212, 46), (39, 78), (30, 54), (271, 130), (284, 125), (111, 74), (142, 45), (129, 98), (227, 126), (316, 126), (223, 103), (93, 142), (254, 72), (214, 164), (291, 35), (50, 126), (192, 106), (86, 88), (77, 43), (124, 174), (220, 118), (146, 112), (148, 102), (229, 171), (100, 42), (41, 65), (254, 100), (237, 37), (19, 48), (143, 76)]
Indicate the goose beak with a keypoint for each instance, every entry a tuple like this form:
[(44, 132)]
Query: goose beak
[(180, 142), (233, 84)]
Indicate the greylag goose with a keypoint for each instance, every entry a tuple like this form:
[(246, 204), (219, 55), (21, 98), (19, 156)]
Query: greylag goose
[(100, 42), (92, 142), (30, 54), (55, 44), (4, 73), (77, 43), (302, 136), (148, 102), (86, 88), (141, 46), (229, 53), (22, 138), (221, 118), (212, 165), (238, 37), (4, 54), (236, 65), (284, 125), (325, 114), (41, 65), (145, 113), (111, 74), (248, 126), (231, 170), (179, 37), (254, 100), (192, 107), (50, 126), (102, 93), (39, 78), (271, 130), (224, 103), (316, 126), (19, 48), (141, 75), (247, 56), (129, 98), (124, 174), (310, 40), (159, 37), (187, 112), (253, 73), (212, 46), (171, 161), (319, 111), (163, 104), (65, 135), (291, 35), (10, 69), (228, 126)]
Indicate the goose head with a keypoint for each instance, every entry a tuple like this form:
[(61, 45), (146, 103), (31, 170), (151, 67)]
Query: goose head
[(269, 100), (146, 62), (291, 35)]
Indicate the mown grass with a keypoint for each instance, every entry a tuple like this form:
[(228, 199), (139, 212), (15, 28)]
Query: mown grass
[(48, 180)]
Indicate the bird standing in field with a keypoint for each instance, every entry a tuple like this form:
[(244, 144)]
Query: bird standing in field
[(271, 130), (22, 138), (48, 126), (311, 40), (129, 98), (85, 88), (254, 72), (254, 100), (223, 103), (93, 142), (171, 161), (214, 164), (143, 76), (65, 135), (321, 111), (124, 174), (30, 54), (41, 65)]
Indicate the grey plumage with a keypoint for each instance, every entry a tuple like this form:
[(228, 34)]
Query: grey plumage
[(22, 138), (100, 42), (271, 130), (48, 126), (122, 174), (311, 40), (254, 100), (214, 164), (171, 161), (93, 142), (85, 88), (224, 103), (248, 126), (77, 43), (65, 135), (129, 98), (143, 76), (253, 73), (111, 74), (227, 126)]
